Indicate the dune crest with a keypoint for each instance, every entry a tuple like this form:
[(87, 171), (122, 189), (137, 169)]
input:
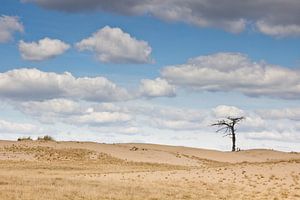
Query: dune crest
[(87, 170)]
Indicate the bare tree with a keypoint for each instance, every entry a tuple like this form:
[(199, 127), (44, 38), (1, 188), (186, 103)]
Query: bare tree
[(227, 126)]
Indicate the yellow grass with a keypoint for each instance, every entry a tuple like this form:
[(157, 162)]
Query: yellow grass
[(54, 170)]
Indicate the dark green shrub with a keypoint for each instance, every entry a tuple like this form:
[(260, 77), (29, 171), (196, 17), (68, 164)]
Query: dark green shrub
[(24, 139), (46, 138)]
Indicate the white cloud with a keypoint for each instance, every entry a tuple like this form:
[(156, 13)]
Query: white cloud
[(71, 112), (100, 118), (222, 111), (168, 118), (52, 107), (144, 119), (255, 127), (33, 84), (43, 49), (111, 107), (156, 88), (9, 25), (181, 12), (278, 30), (235, 72), (251, 121), (177, 125), (112, 45), (109, 114), (166, 112), (230, 15), (273, 135), (284, 113), (129, 130), (17, 128)]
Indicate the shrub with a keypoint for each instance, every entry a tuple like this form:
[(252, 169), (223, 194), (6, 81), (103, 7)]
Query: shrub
[(24, 139), (46, 138)]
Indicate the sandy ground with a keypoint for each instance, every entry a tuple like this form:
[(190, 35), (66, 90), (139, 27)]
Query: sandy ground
[(84, 170)]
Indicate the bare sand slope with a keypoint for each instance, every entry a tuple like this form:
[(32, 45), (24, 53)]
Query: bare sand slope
[(86, 170)]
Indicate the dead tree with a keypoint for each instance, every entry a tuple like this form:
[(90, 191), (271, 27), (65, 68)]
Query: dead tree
[(227, 126)]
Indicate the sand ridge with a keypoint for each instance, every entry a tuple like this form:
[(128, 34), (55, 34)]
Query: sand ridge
[(87, 170)]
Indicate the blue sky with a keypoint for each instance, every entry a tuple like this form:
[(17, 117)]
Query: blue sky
[(270, 96)]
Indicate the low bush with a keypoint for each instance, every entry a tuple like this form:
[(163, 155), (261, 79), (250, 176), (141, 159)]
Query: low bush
[(46, 138), (24, 139)]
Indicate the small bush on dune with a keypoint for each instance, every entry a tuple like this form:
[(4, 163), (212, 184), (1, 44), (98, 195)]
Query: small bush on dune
[(46, 138), (24, 139)]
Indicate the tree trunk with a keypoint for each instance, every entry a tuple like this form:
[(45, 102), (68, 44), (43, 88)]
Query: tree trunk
[(233, 139), (233, 143)]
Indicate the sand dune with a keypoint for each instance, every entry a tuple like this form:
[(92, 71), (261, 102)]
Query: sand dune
[(86, 170)]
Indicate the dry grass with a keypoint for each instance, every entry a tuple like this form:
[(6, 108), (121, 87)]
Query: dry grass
[(43, 172)]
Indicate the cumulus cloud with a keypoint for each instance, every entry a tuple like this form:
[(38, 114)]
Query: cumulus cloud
[(230, 15), (278, 30), (235, 72), (169, 118), (113, 45), (177, 125), (9, 25), (111, 114), (284, 113), (251, 122), (111, 107), (130, 119), (73, 112), (100, 118), (130, 130), (156, 88), (17, 128), (50, 108), (256, 127), (222, 111), (274, 135), (43, 49), (167, 112), (33, 84)]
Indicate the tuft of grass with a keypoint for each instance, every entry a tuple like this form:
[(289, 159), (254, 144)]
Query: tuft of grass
[(46, 138), (24, 139)]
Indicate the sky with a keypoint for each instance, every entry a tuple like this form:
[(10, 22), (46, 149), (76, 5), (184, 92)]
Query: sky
[(151, 71)]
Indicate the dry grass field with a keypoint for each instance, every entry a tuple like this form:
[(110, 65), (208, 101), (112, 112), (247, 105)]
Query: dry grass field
[(44, 170)]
